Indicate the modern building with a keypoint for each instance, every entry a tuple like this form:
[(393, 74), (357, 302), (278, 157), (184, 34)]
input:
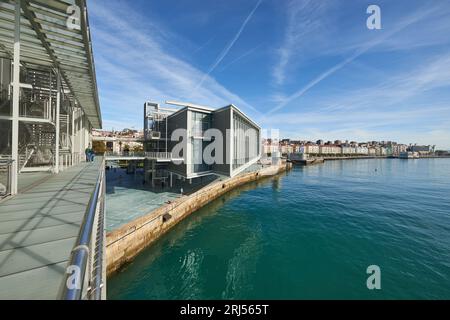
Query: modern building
[(196, 141)]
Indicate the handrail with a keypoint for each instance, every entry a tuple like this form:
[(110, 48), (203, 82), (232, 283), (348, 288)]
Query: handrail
[(98, 287), (78, 264)]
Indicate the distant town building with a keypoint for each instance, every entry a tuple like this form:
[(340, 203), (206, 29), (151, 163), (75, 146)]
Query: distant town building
[(421, 149), (352, 148), (330, 149)]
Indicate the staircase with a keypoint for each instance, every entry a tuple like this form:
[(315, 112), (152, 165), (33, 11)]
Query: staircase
[(26, 156)]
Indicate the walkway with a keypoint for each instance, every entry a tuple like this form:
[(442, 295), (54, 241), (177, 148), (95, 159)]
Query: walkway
[(38, 230)]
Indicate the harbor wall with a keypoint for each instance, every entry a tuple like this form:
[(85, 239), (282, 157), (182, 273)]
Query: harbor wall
[(125, 243)]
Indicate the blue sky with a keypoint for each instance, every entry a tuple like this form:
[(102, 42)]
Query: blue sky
[(310, 68)]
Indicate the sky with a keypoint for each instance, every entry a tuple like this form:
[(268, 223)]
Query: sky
[(309, 68)]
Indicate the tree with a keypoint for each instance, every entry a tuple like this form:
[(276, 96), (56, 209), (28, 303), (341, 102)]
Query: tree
[(99, 147)]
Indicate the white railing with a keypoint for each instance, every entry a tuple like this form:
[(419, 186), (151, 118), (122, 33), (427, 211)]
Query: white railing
[(159, 155), (70, 159), (148, 155), (128, 154)]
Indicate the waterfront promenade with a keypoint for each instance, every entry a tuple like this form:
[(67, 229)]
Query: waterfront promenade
[(39, 228)]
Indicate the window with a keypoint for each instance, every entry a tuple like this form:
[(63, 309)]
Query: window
[(246, 141), (200, 123)]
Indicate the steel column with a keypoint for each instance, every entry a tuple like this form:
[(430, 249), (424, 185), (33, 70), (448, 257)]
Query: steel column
[(15, 109), (72, 139), (57, 124)]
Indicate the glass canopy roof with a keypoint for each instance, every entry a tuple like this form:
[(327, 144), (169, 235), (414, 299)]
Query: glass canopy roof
[(50, 37)]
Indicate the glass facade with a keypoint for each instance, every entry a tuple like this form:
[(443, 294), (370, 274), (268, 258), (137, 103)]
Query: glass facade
[(5, 91), (245, 141), (200, 122)]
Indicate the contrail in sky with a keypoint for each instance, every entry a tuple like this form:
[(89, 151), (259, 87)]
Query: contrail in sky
[(240, 57), (354, 56), (229, 46)]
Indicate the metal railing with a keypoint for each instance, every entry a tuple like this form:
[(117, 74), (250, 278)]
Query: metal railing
[(5, 176), (85, 274), (159, 155), (139, 154)]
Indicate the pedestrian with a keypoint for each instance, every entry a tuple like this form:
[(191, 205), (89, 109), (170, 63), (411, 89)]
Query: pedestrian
[(87, 153), (92, 155)]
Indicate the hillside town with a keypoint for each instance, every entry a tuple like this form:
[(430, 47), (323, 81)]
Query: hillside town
[(130, 139), (344, 148), (117, 142)]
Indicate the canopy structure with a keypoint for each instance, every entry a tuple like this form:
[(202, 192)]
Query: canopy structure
[(48, 91), (55, 33)]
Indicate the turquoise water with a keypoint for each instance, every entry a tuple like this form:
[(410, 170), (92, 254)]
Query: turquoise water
[(309, 234)]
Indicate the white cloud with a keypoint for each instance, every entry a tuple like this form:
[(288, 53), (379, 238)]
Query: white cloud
[(305, 24), (402, 107), (135, 63), (228, 47), (365, 46)]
